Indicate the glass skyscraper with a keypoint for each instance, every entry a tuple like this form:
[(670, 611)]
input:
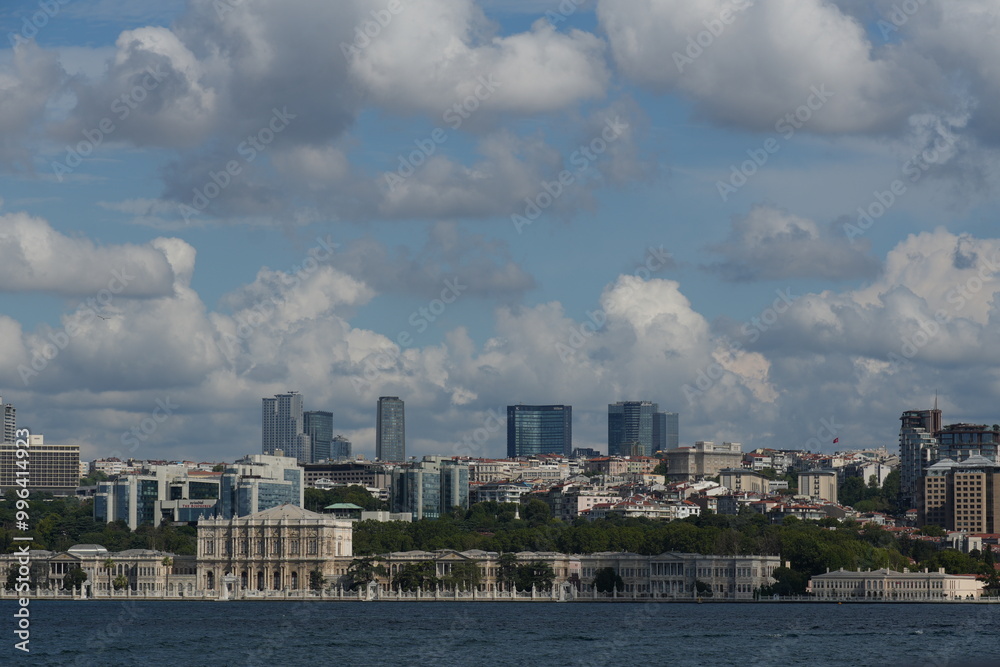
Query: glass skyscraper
[(539, 429), (632, 426), (283, 427), (318, 426), (390, 430), (340, 448)]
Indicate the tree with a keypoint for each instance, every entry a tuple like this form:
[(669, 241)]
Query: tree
[(74, 579), (507, 570), (933, 530), (315, 580), (416, 576), (465, 575), (364, 570), (537, 513), (535, 574), (219, 467), (120, 582), (606, 580), (702, 588)]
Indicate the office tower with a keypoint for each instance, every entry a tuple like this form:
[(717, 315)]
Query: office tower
[(390, 430), (9, 422), (283, 427), (340, 449), (54, 468), (917, 451), (673, 430), (539, 429), (319, 427), (631, 428), (962, 495), (659, 432), (430, 488)]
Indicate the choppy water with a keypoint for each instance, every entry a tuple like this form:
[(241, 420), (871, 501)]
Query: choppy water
[(454, 633)]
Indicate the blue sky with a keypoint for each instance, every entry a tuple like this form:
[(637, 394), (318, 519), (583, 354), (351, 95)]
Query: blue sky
[(177, 96)]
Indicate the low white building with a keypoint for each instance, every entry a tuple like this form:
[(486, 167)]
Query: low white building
[(887, 584)]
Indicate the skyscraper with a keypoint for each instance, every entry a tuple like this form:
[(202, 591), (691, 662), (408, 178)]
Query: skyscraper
[(9, 422), (283, 427), (340, 448), (318, 426), (390, 430), (673, 438), (539, 429), (632, 426), (917, 451)]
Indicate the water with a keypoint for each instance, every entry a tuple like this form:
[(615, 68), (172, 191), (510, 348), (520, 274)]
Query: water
[(454, 633)]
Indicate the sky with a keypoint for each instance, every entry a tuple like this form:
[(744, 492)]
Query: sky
[(776, 218)]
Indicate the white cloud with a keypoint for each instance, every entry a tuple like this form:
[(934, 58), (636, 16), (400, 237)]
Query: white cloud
[(36, 258)]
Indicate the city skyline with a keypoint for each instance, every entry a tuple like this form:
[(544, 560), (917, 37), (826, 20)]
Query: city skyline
[(186, 227)]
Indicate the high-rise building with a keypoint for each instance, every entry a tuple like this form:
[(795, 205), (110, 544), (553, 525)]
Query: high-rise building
[(673, 431), (917, 451), (635, 428), (962, 495), (9, 422), (390, 430), (539, 429), (319, 427), (430, 488), (53, 468), (283, 427), (340, 449)]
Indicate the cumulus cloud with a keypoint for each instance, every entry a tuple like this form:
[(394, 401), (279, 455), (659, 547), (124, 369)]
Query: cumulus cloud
[(763, 62), (27, 84), (772, 244), (36, 258)]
